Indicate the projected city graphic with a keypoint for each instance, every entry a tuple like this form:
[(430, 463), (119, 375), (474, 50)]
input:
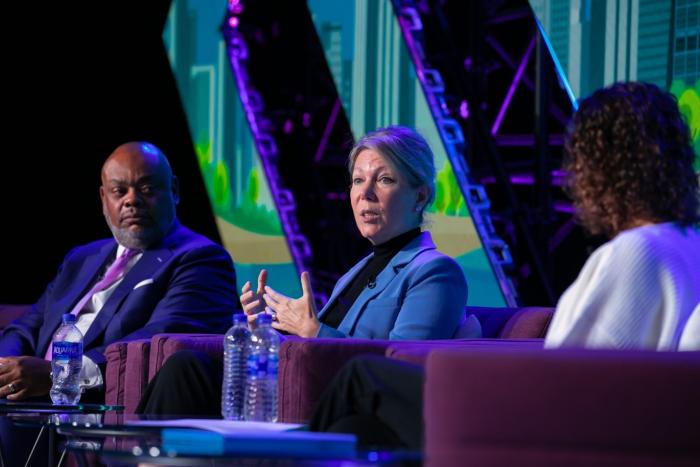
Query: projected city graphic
[(599, 42)]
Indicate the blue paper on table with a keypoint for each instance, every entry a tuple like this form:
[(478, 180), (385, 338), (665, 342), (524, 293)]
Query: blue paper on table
[(303, 444)]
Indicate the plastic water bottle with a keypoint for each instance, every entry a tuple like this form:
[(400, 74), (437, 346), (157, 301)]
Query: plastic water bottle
[(261, 390), (236, 344), (66, 362)]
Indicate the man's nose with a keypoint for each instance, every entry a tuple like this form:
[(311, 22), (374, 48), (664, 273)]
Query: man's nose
[(132, 198)]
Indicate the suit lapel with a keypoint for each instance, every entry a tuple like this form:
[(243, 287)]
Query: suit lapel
[(343, 282), (144, 268), (85, 279), (398, 262)]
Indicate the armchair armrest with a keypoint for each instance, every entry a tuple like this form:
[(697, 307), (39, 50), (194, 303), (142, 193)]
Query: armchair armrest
[(306, 366), (125, 373), (164, 345), (417, 352), (131, 365), (500, 407)]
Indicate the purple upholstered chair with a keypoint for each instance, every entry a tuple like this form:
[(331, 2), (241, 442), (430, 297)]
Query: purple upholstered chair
[(499, 407), (306, 366)]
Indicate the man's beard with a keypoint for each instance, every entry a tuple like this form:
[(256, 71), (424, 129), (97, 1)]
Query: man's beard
[(138, 240)]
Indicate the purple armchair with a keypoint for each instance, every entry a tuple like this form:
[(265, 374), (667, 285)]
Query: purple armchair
[(496, 407), (306, 366)]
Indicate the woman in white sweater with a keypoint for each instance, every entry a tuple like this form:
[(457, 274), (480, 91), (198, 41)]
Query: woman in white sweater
[(631, 178)]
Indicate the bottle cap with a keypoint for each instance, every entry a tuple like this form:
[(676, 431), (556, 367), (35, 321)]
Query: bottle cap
[(263, 318), (69, 318), (239, 318)]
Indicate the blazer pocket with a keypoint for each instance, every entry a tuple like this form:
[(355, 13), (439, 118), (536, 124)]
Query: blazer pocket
[(143, 283)]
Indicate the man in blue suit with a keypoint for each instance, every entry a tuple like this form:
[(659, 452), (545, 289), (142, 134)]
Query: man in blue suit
[(173, 279)]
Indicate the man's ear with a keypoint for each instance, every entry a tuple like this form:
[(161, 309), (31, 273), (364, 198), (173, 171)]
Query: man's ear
[(175, 187)]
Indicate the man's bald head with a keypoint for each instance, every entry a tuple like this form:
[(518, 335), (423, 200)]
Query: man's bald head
[(140, 150), (139, 194)]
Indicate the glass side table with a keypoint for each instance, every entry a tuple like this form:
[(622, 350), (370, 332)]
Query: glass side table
[(44, 416), (122, 443)]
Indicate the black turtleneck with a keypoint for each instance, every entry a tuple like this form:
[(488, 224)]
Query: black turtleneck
[(367, 276)]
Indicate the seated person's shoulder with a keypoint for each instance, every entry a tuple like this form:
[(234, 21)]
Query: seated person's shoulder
[(437, 268), (435, 260), (654, 244), (78, 253)]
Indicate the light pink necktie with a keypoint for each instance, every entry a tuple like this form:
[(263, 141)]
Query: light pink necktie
[(113, 274)]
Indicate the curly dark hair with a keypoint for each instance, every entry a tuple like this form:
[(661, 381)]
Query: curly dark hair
[(630, 160)]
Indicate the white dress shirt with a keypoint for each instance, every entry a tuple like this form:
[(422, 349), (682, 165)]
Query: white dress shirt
[(90, 374)]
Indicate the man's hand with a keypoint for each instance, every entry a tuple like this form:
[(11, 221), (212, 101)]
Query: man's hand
[(23, 377)]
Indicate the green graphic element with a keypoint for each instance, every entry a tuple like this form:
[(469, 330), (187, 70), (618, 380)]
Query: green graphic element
[(689, 104), (611, 41), (254, 216), (448, 195)]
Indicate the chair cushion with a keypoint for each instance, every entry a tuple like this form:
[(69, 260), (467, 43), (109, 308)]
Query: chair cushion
[(513, 323), (417, 352)]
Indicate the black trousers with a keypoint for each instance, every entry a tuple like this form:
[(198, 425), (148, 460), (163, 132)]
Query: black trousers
[(377, 399), (188, 384)]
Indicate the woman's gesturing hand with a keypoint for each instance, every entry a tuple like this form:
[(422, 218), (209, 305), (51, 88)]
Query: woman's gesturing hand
[(294, 315), (252, 302)]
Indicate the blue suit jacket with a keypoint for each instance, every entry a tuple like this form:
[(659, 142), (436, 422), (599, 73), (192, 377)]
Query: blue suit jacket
[(420, 294), (186, 283)]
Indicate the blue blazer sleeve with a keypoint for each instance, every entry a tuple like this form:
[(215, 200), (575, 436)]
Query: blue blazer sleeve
[(433, 306)]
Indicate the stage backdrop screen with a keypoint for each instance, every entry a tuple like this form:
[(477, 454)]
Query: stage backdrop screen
[(378, 86), (599, 42), (246, 215)]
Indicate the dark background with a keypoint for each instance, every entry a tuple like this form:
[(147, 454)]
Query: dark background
[(80, 78)]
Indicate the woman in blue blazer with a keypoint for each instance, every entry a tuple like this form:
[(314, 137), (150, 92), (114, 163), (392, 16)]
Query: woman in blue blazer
[(405, 289)]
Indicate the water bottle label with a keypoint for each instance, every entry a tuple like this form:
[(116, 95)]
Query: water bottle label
[(272, 365), (257, 365), (67, 350), (261, 365)]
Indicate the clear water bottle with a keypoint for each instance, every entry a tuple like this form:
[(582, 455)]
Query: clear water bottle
[(236, 344), (261, 390), (66, 362)]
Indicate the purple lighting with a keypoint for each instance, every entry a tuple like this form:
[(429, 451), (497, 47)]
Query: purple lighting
[(233, 21), (513, 87), (464, 109), (327, 131)]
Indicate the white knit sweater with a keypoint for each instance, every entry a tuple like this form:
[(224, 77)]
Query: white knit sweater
[(640, 290)]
